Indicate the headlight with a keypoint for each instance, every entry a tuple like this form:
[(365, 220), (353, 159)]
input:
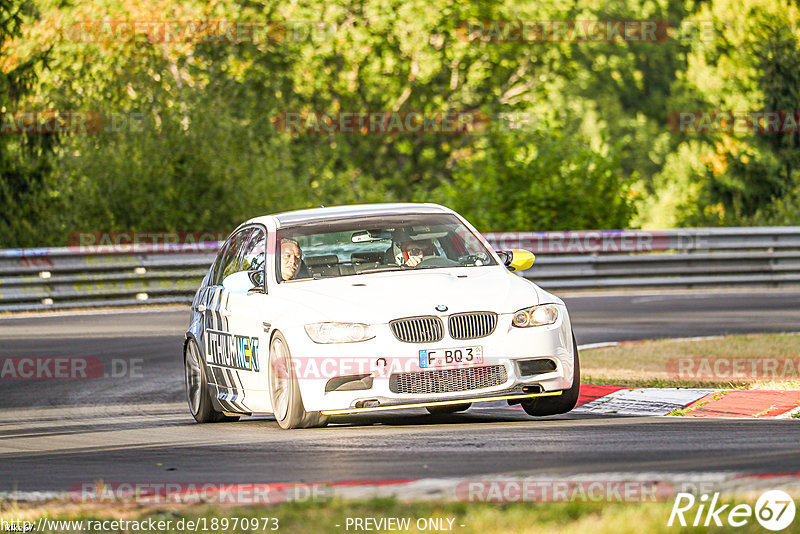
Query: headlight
[(339, 332), (536, 316)]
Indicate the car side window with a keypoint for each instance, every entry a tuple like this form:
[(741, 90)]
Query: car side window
[(213, 279), (231, 260), (254, 251)]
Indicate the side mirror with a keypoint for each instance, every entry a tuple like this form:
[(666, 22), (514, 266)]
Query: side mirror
[(517, 259), (257, 278)]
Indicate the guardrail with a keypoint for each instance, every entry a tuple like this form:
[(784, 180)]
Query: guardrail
[(684, 258), (68, 277)]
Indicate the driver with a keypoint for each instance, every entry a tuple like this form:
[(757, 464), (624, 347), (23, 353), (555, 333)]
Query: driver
[(290, 259)]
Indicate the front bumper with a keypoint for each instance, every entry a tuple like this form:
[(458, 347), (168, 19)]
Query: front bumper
[(380, 358)]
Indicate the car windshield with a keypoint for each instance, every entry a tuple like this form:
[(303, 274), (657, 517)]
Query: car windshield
[(378, 244)]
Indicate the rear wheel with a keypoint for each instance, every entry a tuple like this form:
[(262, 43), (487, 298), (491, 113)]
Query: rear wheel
[(565, 402), (448, 408), (284, 391), (198, 394)]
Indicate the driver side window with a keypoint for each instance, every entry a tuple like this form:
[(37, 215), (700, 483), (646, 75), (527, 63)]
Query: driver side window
[(231, 259), (254, 256), (254, 252)]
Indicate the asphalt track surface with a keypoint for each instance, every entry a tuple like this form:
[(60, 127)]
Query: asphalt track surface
[(55, 434)]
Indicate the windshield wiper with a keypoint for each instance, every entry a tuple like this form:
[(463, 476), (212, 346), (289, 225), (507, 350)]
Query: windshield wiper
[(386, 269)]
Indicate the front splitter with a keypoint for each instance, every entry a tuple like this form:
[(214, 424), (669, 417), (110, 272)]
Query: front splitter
[(348, 411)]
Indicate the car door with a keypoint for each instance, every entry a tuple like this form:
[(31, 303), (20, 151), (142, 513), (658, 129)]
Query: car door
[(218, 341), (245, 307), (247, 304)]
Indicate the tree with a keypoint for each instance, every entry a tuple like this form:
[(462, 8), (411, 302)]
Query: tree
[(25, 158), (748, 63), (777, 58), (542, 179)]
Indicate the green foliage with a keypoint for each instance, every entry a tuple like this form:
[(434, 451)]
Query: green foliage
[(24, 158), (778, 61), (195, 147), (544, 179), (749, 183), (751, 63)]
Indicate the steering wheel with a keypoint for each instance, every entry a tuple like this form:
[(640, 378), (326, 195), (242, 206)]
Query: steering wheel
[(436, 261), (473, 259)]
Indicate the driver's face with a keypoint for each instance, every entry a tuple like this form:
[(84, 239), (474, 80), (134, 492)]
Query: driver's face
[(290, 260)]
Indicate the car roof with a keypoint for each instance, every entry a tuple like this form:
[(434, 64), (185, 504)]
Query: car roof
[(292, 218)]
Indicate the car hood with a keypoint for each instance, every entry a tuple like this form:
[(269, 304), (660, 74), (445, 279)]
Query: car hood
[(380, 297)]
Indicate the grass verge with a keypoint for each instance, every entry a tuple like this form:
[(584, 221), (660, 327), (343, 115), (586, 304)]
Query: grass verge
[(765, 361)]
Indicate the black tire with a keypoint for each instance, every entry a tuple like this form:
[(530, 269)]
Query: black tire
[(540, 406), (448, 408), (195, 382), (282, 375)]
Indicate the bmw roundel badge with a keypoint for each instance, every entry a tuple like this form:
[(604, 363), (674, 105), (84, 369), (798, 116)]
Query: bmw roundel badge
[(441, 308)]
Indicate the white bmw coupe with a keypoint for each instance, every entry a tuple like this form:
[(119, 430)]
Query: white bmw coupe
[(335, 311)]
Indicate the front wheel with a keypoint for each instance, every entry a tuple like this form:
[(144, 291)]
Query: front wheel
[(197, 391), (539, 406), (284, 391)]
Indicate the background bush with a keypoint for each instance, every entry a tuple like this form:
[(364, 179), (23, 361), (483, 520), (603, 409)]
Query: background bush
[(594, 149)]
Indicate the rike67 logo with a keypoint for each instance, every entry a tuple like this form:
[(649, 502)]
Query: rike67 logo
[(774, 510)]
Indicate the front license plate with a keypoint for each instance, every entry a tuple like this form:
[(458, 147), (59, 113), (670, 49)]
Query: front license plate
[(465, 356)]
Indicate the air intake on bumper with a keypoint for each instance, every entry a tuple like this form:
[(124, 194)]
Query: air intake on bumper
[(536, 367), (448, 380)]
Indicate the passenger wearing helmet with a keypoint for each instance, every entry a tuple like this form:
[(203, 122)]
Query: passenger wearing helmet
[(414, 251), (409, 251)]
